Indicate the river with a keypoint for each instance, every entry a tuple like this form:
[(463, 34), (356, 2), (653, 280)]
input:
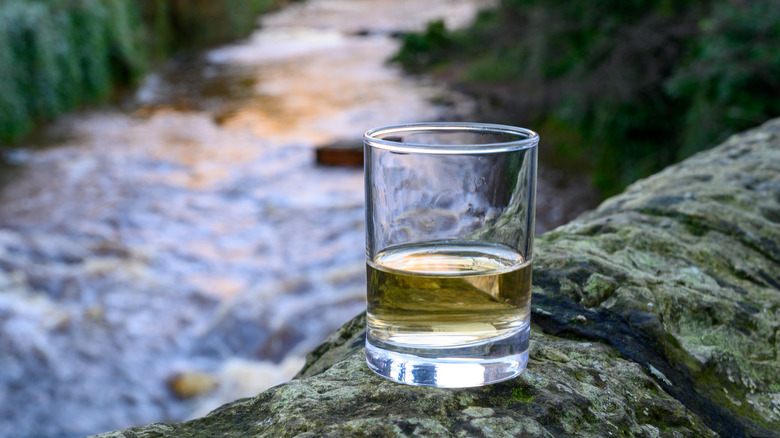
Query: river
[(182, 249)]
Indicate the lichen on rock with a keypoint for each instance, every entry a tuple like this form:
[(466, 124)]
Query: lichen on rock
[(696, 260), (655, 315), (569, 388)]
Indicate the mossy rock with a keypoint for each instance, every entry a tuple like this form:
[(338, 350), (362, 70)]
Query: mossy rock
[(656, 315)]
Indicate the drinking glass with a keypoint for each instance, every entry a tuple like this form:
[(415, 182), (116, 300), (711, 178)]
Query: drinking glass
[(449, 247)]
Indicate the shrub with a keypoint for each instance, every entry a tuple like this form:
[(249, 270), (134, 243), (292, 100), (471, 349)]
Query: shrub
[(58, 54), (628, 86)]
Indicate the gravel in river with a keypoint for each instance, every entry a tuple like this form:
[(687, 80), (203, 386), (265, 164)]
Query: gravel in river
[(186, 245)]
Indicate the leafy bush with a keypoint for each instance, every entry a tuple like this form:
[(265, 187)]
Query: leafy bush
[(58, 54), (181, 24), (426, 49), (628, 86), (730, 79)]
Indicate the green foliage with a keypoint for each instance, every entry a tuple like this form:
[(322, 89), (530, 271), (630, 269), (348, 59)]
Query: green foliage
[(731, 78), (425, 49), (625, 86), (182, 24), (58, 54)]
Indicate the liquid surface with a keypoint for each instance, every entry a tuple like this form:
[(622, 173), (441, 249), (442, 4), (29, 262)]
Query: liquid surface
[(447, 293)]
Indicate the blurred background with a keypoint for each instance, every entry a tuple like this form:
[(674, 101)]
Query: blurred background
[(181, 197)]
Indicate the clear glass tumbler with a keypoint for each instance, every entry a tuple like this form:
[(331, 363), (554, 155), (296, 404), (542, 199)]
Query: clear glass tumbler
[(449, 246)]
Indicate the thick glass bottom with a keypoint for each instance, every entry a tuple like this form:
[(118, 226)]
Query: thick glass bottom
[(469, 365)]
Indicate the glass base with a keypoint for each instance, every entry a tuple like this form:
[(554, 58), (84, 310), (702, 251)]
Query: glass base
[(478, 364)]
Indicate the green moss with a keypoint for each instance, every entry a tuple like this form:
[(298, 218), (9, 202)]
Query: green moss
[(522, 395), (598, 288)]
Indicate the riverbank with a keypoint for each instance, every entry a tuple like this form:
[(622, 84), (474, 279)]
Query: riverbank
[(56, 56), (620, 90)]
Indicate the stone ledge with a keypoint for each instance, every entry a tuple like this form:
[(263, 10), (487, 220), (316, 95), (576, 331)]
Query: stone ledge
[(655, 315)]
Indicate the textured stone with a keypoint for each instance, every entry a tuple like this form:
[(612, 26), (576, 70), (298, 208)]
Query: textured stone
[(656, 315), (685, 266)]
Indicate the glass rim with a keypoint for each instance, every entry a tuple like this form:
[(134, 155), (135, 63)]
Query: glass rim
[(527, 138)]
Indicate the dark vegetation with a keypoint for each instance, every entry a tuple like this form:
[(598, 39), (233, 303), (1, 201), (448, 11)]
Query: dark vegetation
[(56, 55), (623, 87)]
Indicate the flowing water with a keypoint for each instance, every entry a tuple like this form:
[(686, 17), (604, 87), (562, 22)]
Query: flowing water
[(162, 257)]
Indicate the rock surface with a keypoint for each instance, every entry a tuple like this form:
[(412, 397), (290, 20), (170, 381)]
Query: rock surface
[(656, 315)]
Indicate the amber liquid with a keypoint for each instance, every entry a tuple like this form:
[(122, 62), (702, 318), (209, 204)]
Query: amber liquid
[(444, 294)]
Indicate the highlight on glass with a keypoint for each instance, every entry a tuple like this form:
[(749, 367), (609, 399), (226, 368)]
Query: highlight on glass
[(449, 247)]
